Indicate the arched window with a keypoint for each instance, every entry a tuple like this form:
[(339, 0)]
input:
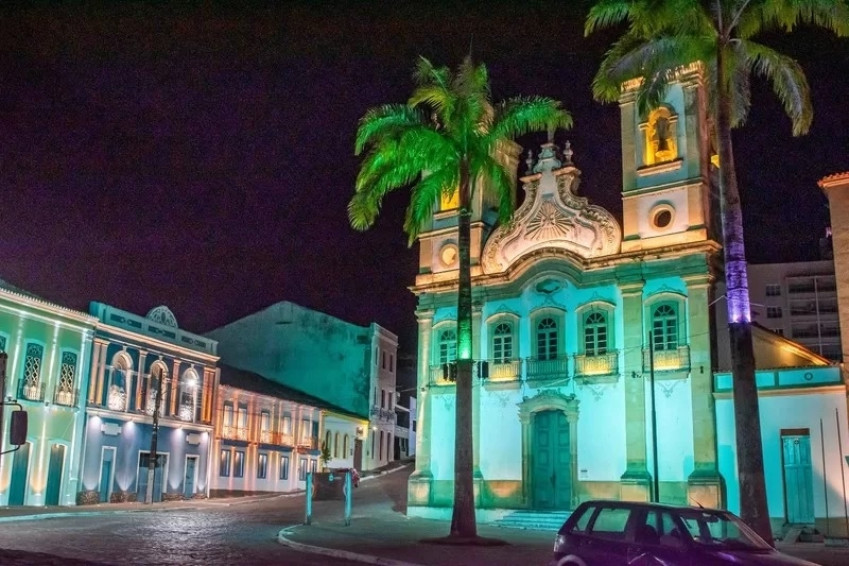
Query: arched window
[(32, 372), (502, 343), (547, 339), (188, 395), (117, 392), (447, 345), (336, 445), (158, 378), (327, 438), (661, 136), (67, 377), (595, 334), (345, 446), (665, 327)]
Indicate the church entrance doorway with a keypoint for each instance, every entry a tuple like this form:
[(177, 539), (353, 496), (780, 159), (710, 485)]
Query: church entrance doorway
[(551, 456)]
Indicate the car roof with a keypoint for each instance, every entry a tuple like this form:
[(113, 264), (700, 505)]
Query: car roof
[(651, 505)]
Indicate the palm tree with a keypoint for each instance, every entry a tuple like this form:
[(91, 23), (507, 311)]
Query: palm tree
[(663, 35), (441, 142)]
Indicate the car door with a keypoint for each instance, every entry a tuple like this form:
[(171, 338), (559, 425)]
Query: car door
[(658, 539), (607, 539)]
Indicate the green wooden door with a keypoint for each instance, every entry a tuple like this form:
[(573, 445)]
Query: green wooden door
[(20, 469), (552, 466), (54, 474), (798, 479)]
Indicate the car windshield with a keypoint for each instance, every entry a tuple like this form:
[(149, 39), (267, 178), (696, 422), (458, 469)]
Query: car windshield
[(722, 531)]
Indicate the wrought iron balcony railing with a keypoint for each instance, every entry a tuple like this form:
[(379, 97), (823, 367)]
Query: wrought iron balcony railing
[(600, 364), (556, 368), (674, 359), (500, 370), (65, 397), (29, 392)]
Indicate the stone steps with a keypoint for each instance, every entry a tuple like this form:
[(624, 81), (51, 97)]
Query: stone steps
[(534, 520)]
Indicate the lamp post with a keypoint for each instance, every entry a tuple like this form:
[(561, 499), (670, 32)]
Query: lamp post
[(151, 466), (655, 495)]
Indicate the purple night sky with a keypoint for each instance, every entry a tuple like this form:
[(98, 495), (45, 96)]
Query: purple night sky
[(202, 157)]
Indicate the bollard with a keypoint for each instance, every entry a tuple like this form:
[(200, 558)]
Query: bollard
[(308, 511), (349, 495)]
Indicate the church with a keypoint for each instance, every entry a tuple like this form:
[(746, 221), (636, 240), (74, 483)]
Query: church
[(595, 343)]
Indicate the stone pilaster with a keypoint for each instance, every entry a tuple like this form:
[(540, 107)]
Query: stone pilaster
[(636, 480), (140, 381), (704, 485), (419, 489), (97, 355)]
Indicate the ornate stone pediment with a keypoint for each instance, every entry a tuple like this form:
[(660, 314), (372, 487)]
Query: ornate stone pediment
[(552, 216)]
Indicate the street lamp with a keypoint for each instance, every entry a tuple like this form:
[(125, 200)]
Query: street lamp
[(151, 466), (655, 496)]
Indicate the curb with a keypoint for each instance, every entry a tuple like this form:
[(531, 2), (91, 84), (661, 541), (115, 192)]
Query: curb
[(384, 472), (38, 517), (334, 553)]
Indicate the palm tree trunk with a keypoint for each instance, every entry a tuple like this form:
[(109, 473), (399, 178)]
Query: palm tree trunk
[(463, 522), (753, 507)]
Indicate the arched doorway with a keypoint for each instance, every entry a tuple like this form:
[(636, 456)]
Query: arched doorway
[(549, 450)]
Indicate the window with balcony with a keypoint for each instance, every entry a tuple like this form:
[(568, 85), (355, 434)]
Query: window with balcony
[(286, 428), (224, 463), (773, 312), (158, 378), (447, 346), (31, 386), (262, 466), (595, 333), (305, 431), (546, 335), (284, 467), (242, 422), (65, 394), (502, 343), (117, 390), (665, 327), (264, 426), (239, 464), (189, 386)]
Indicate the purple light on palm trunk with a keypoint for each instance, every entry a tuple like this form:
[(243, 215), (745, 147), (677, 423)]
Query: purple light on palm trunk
[(737, 294)]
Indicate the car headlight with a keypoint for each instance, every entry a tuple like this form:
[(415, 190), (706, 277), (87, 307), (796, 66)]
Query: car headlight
[(559, 542)]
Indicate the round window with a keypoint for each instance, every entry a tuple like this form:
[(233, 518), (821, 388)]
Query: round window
[(662, 218)]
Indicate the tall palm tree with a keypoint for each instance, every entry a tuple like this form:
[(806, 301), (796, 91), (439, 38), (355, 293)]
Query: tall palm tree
[(441, 142), (663, 35)]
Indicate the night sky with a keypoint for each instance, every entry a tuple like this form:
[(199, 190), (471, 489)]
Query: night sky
[(200, 155)]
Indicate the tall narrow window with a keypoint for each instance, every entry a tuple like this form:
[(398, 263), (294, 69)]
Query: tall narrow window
[(224, 463), (302, 469), (32, 372), (65, 388), (262, 466), (502, 343), (228, 415), (286, 424), (595, 334), (547, 339), (117, 395), (284, 467), (447, 346), (239, 464), (665, 327)]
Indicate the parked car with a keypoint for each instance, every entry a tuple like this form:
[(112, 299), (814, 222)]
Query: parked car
[(609, 533)]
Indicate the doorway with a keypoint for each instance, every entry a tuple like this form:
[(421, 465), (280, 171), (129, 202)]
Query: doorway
[(798, 477), (552, 467), (107, 467), (358, 454), (158, 476), (20, 471), (55, 468), (190, 479)]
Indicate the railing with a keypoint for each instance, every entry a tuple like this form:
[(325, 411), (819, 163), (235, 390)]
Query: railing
[(234, 432), (31, 392), (186, 412), (308, 442), (601, 364), (383, 414), (443, 374), (675, 359), (557, 368), (65, 397), (500, 370)]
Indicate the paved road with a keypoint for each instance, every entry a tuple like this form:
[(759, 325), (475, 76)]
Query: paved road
[(213, 535)]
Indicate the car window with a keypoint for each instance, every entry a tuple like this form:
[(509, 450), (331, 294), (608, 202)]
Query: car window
[(659, 528), (610, 523), (721, 530), (580, 525)]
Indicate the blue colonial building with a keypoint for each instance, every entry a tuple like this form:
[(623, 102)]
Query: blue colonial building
[(134, 357)]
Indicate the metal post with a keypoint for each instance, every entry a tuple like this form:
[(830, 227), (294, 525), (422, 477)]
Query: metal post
[(656, 490), (824, 479), (349, 495), (151, 466), (308, 513), (3, 358), (842, 472)]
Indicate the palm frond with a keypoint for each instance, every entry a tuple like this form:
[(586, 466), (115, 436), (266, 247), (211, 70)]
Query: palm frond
[(491, 174), (425, 195), (383, 121), (520, 115), (786, 15), (788, 82), (607, 13)]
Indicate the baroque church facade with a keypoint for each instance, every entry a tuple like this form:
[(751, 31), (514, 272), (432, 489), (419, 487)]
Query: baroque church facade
[(574, 317)]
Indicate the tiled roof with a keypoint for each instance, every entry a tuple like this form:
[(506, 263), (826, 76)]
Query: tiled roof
[(254, 382), (835, 177)]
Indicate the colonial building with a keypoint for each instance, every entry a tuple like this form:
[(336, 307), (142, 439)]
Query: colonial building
[(48, 348), (139, 363), (593, 340), (267, 435), (349, 367)]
